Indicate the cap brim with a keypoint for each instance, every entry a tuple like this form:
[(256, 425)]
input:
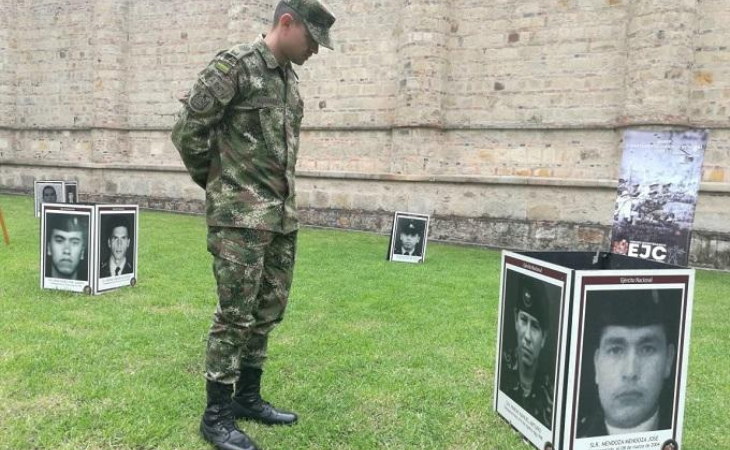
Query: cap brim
[(320, 34)]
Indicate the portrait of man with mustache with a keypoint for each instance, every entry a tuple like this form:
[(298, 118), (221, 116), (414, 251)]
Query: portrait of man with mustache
[(527, 369)]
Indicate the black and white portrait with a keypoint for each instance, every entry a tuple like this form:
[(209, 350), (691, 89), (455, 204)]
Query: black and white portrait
[(628, 361), (65, 249), (116, 245), (70, 192), (47, 192), (408, 238), (529, 336)]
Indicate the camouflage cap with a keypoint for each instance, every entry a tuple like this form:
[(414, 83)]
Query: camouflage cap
[(317, 17)]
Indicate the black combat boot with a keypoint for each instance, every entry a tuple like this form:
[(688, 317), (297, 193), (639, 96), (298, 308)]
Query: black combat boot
[(218, 426), (248, 404)]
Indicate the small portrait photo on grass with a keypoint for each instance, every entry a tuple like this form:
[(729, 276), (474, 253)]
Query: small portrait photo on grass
[(408, 237), (70, 192), (628, 381), (65, 248), (47, 192)]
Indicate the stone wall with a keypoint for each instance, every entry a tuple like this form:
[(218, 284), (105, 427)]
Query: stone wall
[(501, 119)]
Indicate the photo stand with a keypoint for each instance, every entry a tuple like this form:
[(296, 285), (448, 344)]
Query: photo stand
[(592, 350), (87, 247), (408, 238), (53, 191)]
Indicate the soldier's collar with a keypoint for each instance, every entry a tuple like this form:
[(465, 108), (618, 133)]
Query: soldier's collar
[(265, 52)]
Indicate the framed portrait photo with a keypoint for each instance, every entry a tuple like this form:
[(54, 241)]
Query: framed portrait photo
[(532, 341), (629, 359), (70, 192), (66, 246), (47, 192), (408, 237), (116, 246)]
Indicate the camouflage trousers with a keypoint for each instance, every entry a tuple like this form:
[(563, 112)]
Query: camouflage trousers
[(253, 270)]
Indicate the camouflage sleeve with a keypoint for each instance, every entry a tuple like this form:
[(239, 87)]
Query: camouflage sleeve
[(203, 108)]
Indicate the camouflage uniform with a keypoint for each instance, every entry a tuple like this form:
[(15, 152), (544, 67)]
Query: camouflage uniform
[(238, 135), (253, 270), (532, 300), (539, 403)]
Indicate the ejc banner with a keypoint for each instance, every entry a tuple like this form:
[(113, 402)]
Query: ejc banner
[(659, 182)]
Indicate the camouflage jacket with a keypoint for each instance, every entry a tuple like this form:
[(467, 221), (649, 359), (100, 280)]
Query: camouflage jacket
[(539, 403), (238, 135)]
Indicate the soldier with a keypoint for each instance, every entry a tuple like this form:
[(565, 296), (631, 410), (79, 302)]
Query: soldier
[(238, 135), (632, 362), (523, 380)]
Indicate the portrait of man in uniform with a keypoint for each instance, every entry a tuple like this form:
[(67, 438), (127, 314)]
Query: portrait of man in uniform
[(410, 237), (118, 231), (629, 361), (527, 367), (66, 246)]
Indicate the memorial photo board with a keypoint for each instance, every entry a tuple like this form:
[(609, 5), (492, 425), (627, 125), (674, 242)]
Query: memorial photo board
[(47, 192), (88, 248), (70, 192), (408, 237), (531, 346), (116, 246), (54, 192), (66, 247), (629, 359), (622, 350)]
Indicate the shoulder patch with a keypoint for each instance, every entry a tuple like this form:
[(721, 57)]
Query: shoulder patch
[(227, 60), (201, 101), (223, 89)]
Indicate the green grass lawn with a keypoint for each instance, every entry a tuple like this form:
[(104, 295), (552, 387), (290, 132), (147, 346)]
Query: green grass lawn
[(372, 354)]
